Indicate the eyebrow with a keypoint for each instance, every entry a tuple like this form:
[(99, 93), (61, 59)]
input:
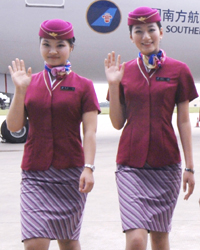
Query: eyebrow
[(136, 27), (61, 41), (46, 41), (58, 42), (139, 27)]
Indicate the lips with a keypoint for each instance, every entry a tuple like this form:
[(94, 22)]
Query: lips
[(53, 57), (147, 44)]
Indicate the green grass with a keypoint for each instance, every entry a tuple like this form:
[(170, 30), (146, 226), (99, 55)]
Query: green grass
[(191, 110), (104, 110), (194, 109), (3, 111)]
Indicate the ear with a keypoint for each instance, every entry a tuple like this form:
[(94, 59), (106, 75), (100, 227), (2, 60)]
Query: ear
[(71, 48), (131, 37), (161, 33)]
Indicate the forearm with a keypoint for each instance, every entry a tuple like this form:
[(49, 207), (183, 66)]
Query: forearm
[(87, 179), (89, 146), (184, 127), (16, 116), (186, 140), (117, 110)]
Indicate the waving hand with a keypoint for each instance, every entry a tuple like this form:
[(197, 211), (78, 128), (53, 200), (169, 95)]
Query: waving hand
[(114, 72), (20, 77)]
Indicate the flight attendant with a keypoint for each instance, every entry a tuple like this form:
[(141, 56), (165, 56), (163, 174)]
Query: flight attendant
[(57, 171), (143, 93)]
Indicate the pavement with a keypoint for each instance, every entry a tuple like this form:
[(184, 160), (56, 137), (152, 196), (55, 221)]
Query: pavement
[(101, 227)]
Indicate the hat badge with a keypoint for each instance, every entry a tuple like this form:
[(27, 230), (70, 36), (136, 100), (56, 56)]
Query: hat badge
[(141, 19), (53, 34)]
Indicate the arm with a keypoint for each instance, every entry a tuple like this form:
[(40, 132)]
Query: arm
[(89, 145), (184, 128), (16, 117), (114, 76)]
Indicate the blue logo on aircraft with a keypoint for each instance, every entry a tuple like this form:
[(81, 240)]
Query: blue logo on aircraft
[(106, 18), (103, 16)]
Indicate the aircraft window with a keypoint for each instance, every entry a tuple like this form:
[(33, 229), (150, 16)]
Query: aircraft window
[(45, 3)]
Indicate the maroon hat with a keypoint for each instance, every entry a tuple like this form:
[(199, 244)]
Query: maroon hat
[(143, 15), (57, 29)]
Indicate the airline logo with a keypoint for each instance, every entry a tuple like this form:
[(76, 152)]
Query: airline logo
[(106, 19), (103, 16)]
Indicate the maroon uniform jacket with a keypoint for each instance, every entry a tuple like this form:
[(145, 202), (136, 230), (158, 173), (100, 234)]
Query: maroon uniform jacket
[(55, 115), (150, 98)]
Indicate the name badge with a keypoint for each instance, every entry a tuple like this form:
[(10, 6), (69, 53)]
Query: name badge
[(162, 79), (65, 88)]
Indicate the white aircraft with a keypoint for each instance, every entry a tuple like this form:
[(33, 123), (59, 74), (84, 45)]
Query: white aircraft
[(100, 27)]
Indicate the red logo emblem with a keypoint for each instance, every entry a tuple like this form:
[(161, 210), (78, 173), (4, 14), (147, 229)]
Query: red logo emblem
[(107, 17)]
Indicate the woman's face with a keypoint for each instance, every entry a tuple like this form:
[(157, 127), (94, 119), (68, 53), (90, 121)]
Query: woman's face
[(55, 52), (147, 37)]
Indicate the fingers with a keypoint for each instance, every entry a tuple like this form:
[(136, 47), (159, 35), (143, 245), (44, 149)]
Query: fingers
[(113, 58), (188, 183), (85, 186), (86, 182), (14, 66), (81, 184), (107, 61), (10, 69), (118, 60), (184, 186), (29, 71), (110, 60), (17, 65), (187, 196), (190, 191), (22, 65)]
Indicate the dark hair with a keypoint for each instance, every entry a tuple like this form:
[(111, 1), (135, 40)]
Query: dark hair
[(71, 41), (131, 26)]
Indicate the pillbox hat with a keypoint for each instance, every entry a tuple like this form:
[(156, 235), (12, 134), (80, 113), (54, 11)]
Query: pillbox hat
[(56, 29), (143, 15)]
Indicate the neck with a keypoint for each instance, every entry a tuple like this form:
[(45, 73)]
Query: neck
[(153, 53)]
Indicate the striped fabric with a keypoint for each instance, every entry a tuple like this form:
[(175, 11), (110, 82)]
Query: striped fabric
[(51, 205), (148, 196)]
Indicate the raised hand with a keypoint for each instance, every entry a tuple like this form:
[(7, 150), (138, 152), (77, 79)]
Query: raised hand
[(16, 116), (20, 77), (114, 72)]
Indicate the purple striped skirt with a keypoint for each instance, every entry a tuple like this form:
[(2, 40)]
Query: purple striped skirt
[(51, 204), (148, 196)]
